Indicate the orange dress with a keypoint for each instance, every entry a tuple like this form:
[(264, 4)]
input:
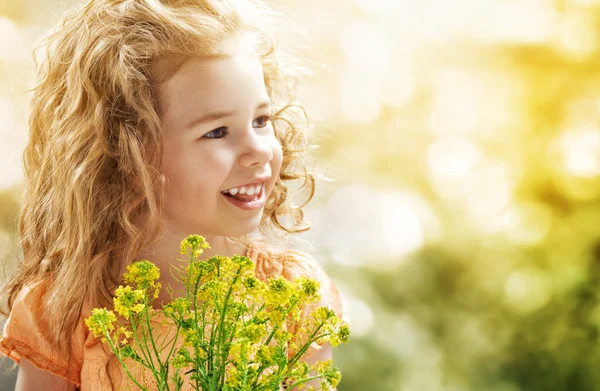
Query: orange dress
[(25, 334)]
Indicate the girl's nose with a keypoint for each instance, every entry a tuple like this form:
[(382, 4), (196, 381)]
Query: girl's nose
[(256, 148)]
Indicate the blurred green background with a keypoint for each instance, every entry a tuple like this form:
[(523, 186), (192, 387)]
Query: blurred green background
[(463, 225)]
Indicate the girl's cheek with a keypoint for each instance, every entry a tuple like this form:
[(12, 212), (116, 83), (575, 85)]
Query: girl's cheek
[(276, 161)]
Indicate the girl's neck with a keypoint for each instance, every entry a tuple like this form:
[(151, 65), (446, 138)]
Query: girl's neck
[(164, 252)]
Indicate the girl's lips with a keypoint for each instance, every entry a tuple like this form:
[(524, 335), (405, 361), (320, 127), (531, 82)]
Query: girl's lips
[(256, 203)]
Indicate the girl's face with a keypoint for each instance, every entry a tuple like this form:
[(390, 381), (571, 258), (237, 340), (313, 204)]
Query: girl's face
[(216, 136)]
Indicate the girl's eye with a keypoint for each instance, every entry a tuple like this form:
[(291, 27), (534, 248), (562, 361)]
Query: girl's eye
[(214, 134), (220, 132), (265, 121)]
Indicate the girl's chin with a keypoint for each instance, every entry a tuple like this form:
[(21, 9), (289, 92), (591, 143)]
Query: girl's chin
[(232, 227), (244, 228), (237, 228)]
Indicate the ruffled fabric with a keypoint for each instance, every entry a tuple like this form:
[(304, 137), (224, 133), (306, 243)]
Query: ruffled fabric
[(292, 264), (25, 335), (25, 332)]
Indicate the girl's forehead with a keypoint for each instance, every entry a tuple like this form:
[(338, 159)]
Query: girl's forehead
[(211, 84), (166, 66), (237, 61)]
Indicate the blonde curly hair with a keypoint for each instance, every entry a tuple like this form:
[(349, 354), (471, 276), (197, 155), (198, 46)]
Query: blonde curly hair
[(92, 160)]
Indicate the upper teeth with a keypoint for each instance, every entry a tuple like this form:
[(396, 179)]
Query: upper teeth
[(249, 190)]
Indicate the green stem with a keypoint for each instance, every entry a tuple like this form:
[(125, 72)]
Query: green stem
[(196, 364), (276, 327), (161, 379), (296, 356), (204, 362), (262, 368), (304, 381), (305, 347), (147, 355), (176, 378), (175, 341), (244, 362), (226, 353), (116, 352), (211, 346), (221, 374), (147, 319)]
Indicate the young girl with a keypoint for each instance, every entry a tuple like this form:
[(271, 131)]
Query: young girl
[(151, 120)]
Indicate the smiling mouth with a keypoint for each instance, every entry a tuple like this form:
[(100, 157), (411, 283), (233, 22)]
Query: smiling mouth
[(243, 197), (248, 202), (241, 193)]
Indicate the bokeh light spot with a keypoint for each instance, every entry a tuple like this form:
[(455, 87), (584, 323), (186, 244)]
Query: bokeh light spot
[(528, 289)]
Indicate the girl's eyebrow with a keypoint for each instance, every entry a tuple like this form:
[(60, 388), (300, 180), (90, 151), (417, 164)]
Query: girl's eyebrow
[(217, 115)]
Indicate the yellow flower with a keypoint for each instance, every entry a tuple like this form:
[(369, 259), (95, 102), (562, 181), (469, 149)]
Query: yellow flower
[(296, 314), (234, 351), (322, 314), (157, 288), (264, 355), (180, 306), (299, 371), (233, 376), (342, 335), (308, 289), (251, 283), (239, 349), (128, 300), (195, 243), (254, 289), (244, 263), (181, 359), (331, 374), (142, 273), (228, 291), (123, 331), (282, 336), (100, 319), (254, 332), (279, 285), (277, 316), (192, 338)]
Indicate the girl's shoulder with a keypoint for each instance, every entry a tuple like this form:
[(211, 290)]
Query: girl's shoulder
[(291, 263), (273, 262), (26, 334)]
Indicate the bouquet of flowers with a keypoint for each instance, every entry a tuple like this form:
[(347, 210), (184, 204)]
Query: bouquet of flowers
[(232, 324)]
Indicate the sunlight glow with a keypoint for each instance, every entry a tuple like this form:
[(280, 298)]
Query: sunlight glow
[(489, 193), (531, 21), (12, 142), (528, 289), (580, 149), (364, 77), (450, 159), (357, 313), (527, 223), (455, 108), (12, 47), (576, 35), (375, 227)]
